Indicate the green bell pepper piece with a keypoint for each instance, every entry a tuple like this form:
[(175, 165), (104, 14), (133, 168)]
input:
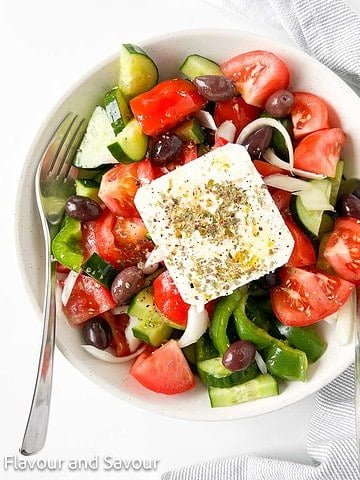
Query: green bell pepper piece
[(282, 360), (66, 246), (306, 339), (256, 311), (247, 330), (286, 362), (220, 319)]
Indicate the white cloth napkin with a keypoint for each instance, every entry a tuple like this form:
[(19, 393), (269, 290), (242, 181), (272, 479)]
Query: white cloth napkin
[(331, 446), (329, 31), (325, 29)]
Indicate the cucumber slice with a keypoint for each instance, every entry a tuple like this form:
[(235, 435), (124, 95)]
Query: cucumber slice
[(204, 349), (100, 270), (313, 222), (90, 173), (196, 65), (117, 109), (260, 387), (138, 72), (190, 354), (152, 333), (130, 145), (142, 306), (335, 182), (100, 173), (93, 150), (87, 188), (213, 373), (190, 130)]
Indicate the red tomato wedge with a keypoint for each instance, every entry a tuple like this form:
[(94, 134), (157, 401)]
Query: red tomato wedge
[(189, 153), (309, 114), (104, 238), (303, 253), (319, 152), (342, 249), (120, 184), (88, 239), (88, 299), (236, 110), (168, 300), (145, 172), (118, 324), (304, 297), (265, 168), (61, 268), (257, 75), (131, 238), (164, 370), (165, 105), (118, 240), (281, 199)]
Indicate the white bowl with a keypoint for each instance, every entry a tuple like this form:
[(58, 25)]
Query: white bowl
[(168, 52)]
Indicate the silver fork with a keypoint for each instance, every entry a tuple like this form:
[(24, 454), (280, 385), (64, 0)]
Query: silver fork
[(54, 183)]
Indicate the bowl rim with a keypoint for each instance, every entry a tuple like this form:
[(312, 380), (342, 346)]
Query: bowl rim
[(147, 42)]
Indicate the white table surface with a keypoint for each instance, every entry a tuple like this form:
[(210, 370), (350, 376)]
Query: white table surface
[(45, 46)]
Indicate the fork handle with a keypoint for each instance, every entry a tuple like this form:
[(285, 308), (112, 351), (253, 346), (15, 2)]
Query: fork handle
[(37, 425)]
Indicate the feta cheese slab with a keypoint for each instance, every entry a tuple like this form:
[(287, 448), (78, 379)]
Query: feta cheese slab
[(215, 224)]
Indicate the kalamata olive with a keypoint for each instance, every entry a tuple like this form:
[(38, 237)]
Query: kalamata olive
[(256, 143), (82, 208), (279, 104), (215, 88), (126, 284), (166, 148), (268, 281), (239, 355), (356, 192), (97, 332), (349, 205)]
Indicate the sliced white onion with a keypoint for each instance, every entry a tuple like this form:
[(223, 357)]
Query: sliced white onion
[(149, 269), (346, 320), (315, 199), (108, 356), (331, 319), (133, 342), (206, 120), (271, 122), (154, 258), (69, 284), (284, 182), (260, 363), (227, 131), (197, 323), (119, 310), (271, 157)]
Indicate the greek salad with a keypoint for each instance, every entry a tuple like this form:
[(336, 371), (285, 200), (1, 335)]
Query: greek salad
[(211, 228)]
